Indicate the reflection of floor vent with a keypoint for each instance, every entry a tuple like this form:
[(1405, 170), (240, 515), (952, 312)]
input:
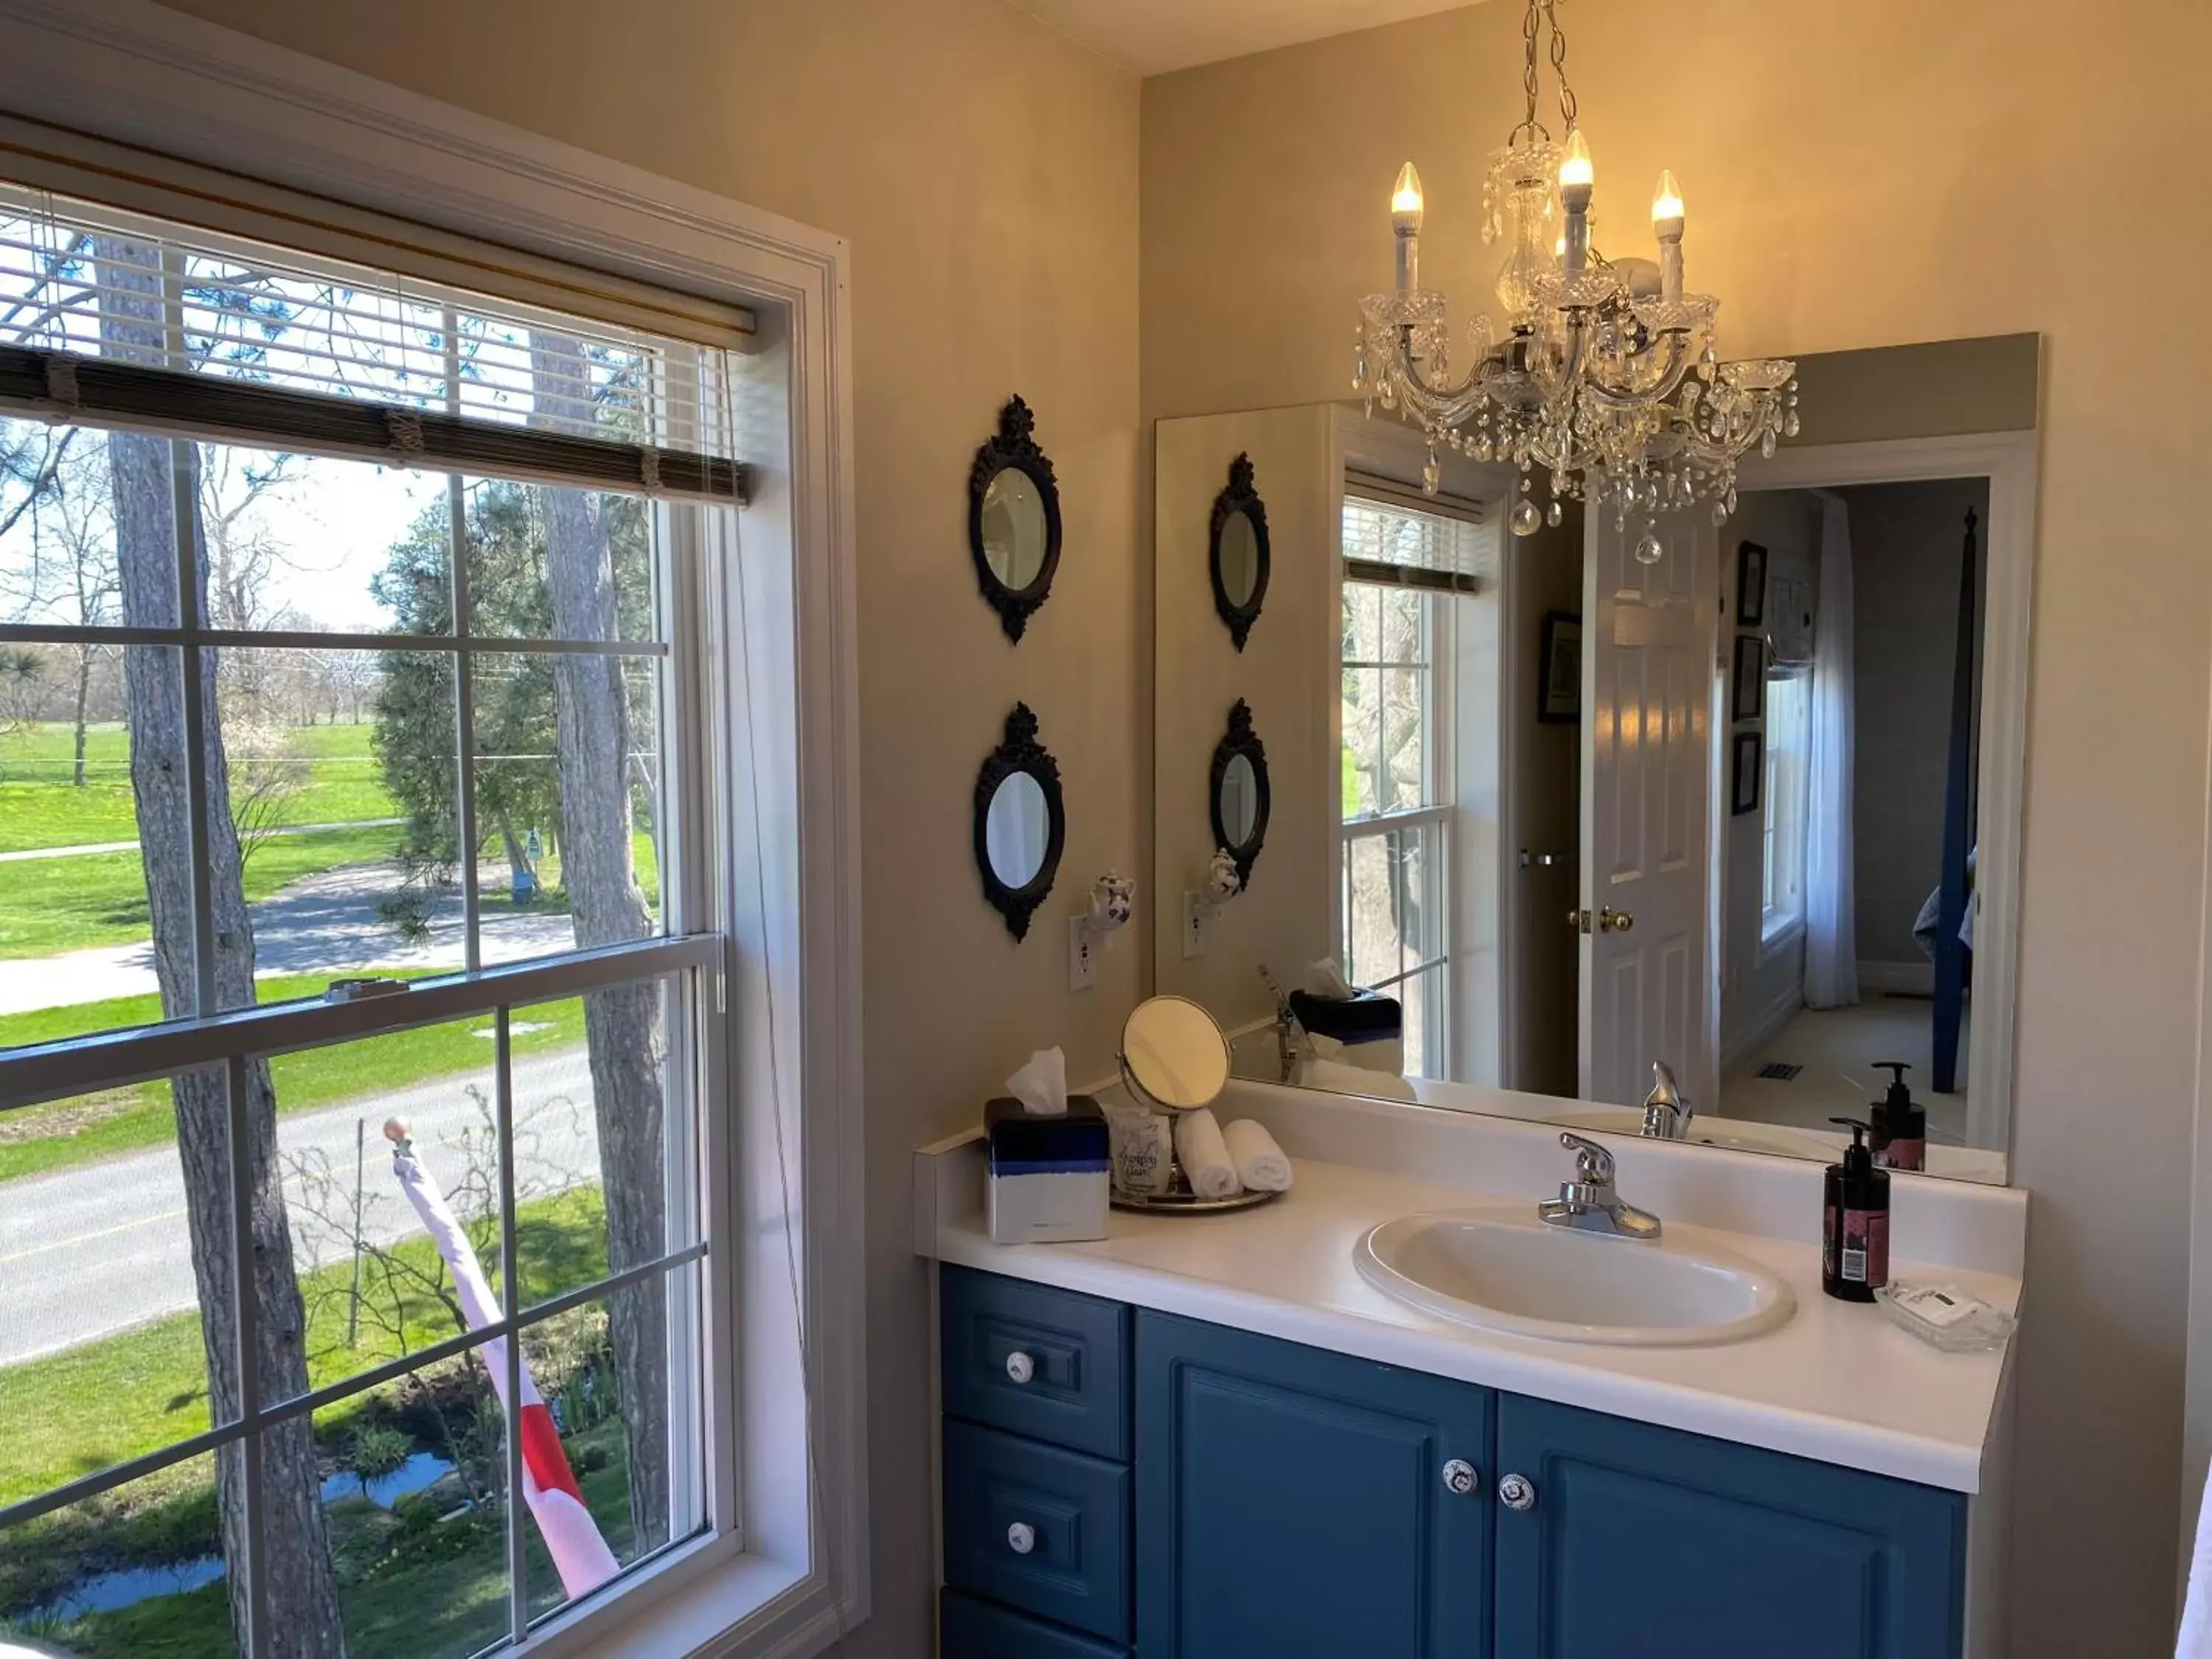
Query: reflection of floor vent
[(1779, 1070)]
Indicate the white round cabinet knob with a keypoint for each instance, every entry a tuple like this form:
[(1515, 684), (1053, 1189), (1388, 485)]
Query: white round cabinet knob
[(1460, 1477), (1021, 1538), (1020, 1367), (1517, 1492)]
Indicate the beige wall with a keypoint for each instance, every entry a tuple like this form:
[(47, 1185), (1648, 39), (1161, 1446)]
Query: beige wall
[(984, 169), (1859, 174)]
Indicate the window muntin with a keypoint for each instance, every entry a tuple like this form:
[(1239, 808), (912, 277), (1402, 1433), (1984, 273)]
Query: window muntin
[(628, 973)]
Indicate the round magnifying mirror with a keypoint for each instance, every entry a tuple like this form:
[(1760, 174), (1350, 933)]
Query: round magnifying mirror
[(1014, 533), (1174, 1052), (1240, 558), (1240, 800), (1017, 829)]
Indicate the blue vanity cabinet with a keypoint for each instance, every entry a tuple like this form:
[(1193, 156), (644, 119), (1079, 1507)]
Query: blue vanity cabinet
[(1294, 1503), (1647, 1540)]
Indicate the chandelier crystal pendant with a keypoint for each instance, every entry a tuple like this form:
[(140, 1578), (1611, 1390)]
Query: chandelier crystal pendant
[(1605, 373)]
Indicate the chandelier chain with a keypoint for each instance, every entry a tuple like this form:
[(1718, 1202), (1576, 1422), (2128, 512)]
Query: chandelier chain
[(1529, 26), (1567, 105)]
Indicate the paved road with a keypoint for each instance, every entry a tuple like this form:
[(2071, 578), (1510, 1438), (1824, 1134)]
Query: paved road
[(328, 923), (96, 1249)]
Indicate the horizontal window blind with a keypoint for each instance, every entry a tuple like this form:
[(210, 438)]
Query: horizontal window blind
[(117, 319), (1386, 541)]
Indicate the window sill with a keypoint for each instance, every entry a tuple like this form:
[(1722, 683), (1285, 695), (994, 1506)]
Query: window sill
[(1778, 933), (706, 1600)]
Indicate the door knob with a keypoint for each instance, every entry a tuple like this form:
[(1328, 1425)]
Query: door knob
[(1020, 1368), (1021, 1538), (1460, 1478), (1610, 921), (1517, 1491), (1579, 921)]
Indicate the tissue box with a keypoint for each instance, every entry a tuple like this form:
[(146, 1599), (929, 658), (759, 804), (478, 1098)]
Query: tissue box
[(1047, 1183)]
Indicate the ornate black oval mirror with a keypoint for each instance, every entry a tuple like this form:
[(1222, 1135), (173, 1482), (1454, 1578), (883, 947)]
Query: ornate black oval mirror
[(1237, 791), (1020, 822), (1013, 519), (1237, 551)]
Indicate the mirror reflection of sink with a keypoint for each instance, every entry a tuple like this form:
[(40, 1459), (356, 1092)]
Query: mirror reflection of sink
[(1738, 1134), (1503, 1270)]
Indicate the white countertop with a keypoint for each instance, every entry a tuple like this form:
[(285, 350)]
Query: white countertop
[(1838, 1383)]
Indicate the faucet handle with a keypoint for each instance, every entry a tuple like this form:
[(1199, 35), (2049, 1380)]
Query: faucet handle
[(1593, 1163)]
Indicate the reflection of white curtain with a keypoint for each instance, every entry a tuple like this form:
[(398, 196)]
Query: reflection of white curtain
[(1832, 971), (1016, 829)]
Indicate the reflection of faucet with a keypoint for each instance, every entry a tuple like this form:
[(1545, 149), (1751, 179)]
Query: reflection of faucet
[(1589, 1203), (1289, 1031), (1666, 1115)]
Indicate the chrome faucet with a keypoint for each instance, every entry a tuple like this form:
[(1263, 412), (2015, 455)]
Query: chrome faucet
[(1290, 1044), (1666, 1115), (1589, 1203)]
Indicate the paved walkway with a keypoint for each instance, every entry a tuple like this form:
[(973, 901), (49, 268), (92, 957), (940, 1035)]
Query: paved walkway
[(90, 1250), (24, 854)]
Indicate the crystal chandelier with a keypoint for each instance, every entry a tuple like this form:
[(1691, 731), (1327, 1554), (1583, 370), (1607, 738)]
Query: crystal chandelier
[(1605, 375)]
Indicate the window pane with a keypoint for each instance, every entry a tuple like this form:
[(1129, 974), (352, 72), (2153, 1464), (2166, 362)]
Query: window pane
[(136, 1570), (567, 802), (1404, 780), (604, 1137), (1371, 940), (1424, 1000), (306, 544), (565, 564), (77, 936), (1363, 624), (105, 1317), (1420, 886), (371, 1284), (58, 554), (1363, 741), (414, 1505), (631, 1436), (1405, 625)]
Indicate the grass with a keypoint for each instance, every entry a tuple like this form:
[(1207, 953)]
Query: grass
[(69, 1414), (40, 807), (86, 1128), (48, 906)]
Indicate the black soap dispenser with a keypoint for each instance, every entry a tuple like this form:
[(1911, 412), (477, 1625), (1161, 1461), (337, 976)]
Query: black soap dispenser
[(1854, 1222), (1899, 1133)]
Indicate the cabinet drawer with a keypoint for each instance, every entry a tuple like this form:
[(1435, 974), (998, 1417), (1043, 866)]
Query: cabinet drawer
[(968, 1629), (1039, 1529), (1073, 1389)]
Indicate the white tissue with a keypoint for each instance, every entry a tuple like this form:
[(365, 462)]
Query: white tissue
[(1325, 979), (1204, 1157), (1041, 1085), (1260, 1162)]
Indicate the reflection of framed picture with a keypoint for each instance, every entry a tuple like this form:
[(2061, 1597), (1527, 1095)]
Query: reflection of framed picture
[(1559, 693), (1748, 700), (1743, 785), (1750, 584)]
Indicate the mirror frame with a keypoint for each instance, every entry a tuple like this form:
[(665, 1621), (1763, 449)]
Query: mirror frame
[(1020, 751), (1013, 446), (1239, 740), (1239, 497)]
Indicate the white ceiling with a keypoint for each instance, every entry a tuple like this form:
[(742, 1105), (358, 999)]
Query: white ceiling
[(1154, 36)]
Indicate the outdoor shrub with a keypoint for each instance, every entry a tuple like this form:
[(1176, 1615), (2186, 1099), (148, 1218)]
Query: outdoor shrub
[(377, 1449)]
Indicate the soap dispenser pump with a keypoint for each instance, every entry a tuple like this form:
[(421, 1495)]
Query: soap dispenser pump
[(1854, 1221), (1900, 1131)]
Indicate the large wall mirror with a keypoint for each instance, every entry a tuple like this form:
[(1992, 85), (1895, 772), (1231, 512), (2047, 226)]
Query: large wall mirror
[(1542, 816)]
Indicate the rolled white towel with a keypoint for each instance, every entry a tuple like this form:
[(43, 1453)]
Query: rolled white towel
[(1205, 1161), (1260, 1163)]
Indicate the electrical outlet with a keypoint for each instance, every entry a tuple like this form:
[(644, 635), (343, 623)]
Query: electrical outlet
[(1081, 954), (1194, 927)]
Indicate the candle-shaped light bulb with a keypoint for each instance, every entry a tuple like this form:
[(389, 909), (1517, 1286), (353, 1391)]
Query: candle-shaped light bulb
[(1406, 202), (1666, 226), (1576, 175), (1406, 226)]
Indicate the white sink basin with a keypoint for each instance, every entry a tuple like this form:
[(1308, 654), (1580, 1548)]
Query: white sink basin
[(1504, 1270)]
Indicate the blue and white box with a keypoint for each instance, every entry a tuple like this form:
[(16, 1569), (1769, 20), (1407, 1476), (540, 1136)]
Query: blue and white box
[(1048, 1178)]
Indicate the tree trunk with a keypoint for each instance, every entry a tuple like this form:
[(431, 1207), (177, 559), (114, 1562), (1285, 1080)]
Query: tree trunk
[(300, 1593), (622, 1026), (84, 693)]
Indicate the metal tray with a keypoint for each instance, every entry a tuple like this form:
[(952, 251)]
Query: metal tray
[(1181, 1200)]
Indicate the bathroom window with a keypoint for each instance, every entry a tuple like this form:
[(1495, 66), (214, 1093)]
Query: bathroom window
[(1789, 734), (355, 629), (1403, 569)]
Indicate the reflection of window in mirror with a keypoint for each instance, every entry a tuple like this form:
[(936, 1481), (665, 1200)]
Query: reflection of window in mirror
[(1789, 735), (1405, 572)]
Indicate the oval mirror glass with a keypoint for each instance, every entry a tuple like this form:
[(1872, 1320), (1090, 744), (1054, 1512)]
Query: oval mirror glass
[(1240, 558), (1240, 801), (1174, 1052), (1017, 829), (1014, 534)]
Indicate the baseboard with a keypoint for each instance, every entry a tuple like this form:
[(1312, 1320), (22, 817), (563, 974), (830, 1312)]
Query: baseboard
[(1766, 1026), (1913, 978)]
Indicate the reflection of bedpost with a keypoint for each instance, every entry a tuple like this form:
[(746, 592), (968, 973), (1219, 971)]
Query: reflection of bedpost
[(1951, 954)]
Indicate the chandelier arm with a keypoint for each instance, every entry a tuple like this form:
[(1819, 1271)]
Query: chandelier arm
[(1631, 395), (1415, 384)]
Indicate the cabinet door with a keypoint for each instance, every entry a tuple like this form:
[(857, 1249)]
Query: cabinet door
[(1293, 1502), (1650, 1542)]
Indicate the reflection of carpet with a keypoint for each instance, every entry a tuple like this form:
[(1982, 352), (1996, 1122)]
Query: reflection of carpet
[(1835, 1050)]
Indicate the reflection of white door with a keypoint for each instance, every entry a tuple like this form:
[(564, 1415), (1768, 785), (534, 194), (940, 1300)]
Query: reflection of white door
[(1650, 635)]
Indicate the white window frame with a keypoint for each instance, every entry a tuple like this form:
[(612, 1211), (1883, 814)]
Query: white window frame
[(1784, 815), (785, 1568)]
